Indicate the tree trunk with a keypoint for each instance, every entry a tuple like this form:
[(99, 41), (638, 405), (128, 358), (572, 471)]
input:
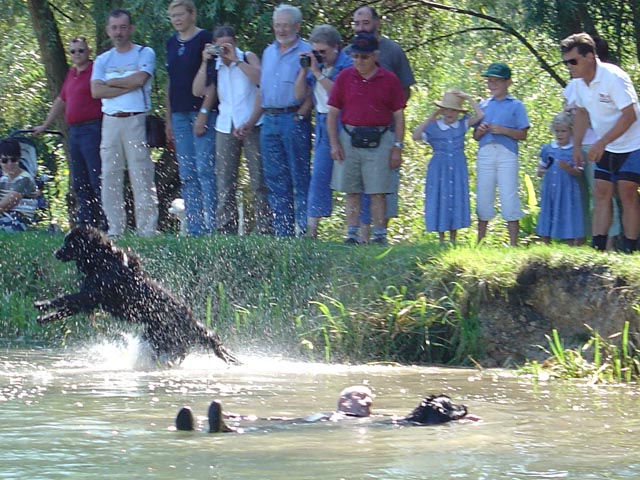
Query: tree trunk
[(51, 47)]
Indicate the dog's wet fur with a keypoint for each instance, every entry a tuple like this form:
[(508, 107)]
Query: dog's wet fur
[(435, 409), (114, 282)]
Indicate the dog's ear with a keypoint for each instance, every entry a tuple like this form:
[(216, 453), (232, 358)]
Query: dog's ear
[(435, 409)]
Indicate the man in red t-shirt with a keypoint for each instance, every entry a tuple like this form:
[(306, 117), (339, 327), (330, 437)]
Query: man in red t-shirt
[(366, 95), (84, 116)]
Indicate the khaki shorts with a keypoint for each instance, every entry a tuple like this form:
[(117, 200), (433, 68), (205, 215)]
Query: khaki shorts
[(365, 170)]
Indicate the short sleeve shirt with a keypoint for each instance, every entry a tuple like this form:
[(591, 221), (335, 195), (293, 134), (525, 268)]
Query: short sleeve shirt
[(610, 91), (393, 58), (112, 64), (22, 184), (367, 102), (507, 112), (183, 62), (80, 106)]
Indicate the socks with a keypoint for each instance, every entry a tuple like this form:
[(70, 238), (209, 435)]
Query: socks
[(629, 245), (379, 233), (599, 242)]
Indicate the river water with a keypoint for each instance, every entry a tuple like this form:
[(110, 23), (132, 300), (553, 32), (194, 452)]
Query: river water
[(99, 412)]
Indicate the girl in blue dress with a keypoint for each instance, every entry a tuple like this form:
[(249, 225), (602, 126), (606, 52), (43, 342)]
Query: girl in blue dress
[(561, 201), (446, 205)]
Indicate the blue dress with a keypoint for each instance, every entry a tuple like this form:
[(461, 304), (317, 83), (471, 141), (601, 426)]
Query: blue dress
[(561, 203), (446, 205)]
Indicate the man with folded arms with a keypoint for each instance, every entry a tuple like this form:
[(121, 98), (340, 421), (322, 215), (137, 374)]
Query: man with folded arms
[(121, 78)]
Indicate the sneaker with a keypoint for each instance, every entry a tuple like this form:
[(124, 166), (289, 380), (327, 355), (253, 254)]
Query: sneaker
[(351, 241)]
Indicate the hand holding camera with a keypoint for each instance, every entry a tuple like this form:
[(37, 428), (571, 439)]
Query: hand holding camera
[(311, 60)]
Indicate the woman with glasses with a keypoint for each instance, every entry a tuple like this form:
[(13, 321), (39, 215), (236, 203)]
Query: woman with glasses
[(15, 184), (317, 75)]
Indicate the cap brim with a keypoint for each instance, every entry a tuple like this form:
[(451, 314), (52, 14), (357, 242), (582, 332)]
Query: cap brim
[(441, 105)]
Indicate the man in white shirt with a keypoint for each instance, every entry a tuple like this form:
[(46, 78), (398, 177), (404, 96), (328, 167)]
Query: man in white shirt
[(121, 78), (605, 94)]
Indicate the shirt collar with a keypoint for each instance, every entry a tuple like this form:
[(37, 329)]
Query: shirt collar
[(446, 126), (569, 145)]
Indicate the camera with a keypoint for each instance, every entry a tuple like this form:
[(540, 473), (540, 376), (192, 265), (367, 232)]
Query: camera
[(215, 50), (305, 62)]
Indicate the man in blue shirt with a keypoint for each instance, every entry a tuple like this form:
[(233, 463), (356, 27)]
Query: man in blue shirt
[(285, 138)]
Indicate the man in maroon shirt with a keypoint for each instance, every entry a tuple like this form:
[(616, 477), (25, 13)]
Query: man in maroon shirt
[(84, 116), (366, 95)]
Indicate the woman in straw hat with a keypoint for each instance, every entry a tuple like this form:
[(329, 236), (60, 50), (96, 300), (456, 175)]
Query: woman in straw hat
[(447, 185)]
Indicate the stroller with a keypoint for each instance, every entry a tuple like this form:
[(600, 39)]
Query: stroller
[(35, 209)]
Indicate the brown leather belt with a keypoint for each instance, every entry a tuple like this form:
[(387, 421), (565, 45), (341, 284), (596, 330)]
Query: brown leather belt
[(123, 114)]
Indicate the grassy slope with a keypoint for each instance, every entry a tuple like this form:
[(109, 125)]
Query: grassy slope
[(320, 300)]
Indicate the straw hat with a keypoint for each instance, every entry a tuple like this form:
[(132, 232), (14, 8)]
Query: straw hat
[(452, 101)]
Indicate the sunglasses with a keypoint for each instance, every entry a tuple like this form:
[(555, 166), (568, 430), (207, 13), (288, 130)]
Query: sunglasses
[(322, 52), (79, 50), (9, 160), (571, 61)]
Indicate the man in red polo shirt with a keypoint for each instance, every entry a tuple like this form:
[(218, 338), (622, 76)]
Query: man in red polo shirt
[(84, 116), (367, 100)]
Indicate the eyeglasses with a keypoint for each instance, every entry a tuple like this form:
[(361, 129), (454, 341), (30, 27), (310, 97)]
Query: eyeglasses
[(79, 50), (570, 61), (9, 160), (361, 56)]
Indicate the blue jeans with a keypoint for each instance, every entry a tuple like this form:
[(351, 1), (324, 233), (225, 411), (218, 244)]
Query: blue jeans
[(196, 165), (319, 202), (286, 152), (86, 168)]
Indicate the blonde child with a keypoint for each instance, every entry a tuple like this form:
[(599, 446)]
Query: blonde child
[(561, 201), (446, 206)]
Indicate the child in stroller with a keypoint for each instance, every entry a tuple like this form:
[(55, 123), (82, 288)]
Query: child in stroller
[(21, 198)]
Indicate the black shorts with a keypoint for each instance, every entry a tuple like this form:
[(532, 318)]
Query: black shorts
[(619, 166)]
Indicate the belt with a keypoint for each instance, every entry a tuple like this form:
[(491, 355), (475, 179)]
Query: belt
[(88, 122), (124, 114), (275, 111)]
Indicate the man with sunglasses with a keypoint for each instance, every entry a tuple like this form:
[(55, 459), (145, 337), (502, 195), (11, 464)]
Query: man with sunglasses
[(369, 102), (15, 184), (83, 114), (605, 95)]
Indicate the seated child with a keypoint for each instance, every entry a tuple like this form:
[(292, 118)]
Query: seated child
[(15, 185)]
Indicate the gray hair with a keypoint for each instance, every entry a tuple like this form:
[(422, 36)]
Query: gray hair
[(293, 12), (326, 34), (563, 118)]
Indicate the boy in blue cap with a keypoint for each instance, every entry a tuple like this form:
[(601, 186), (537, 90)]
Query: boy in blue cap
[(505, 124)]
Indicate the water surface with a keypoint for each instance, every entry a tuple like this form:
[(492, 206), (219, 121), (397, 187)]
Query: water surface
[(99, 412)]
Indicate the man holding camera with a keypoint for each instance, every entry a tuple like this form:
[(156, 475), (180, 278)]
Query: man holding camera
[(370, 102), (190, 119), (285, 138)]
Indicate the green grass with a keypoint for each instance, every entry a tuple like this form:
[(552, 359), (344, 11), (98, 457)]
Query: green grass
[(318, 300)]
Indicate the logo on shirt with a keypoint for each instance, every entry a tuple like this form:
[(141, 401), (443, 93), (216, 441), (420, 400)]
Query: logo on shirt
[(604, 98)]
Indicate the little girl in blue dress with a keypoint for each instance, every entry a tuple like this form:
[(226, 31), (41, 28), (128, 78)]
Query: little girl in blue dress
[(446, 206), (561, 202)]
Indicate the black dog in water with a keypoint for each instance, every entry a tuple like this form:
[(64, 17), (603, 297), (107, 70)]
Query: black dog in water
[(114, 282)]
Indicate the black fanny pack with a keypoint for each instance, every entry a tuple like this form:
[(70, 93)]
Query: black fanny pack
[(365, 137)]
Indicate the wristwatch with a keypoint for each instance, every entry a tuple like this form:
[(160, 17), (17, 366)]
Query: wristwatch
[(398, 144), (204, 110), (300, 117)]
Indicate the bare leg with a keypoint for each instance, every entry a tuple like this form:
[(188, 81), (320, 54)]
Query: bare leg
[(312, 226), (452, 235), (513, 227), (482, 229), (628, 192), (602, 195)]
